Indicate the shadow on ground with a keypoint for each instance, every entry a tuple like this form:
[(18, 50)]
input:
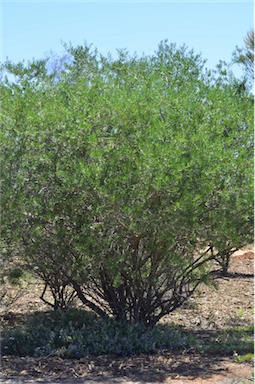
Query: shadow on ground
[(109, 369)]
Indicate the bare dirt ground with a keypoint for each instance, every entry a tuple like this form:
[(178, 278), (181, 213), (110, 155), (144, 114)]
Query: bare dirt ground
[(210, 310)]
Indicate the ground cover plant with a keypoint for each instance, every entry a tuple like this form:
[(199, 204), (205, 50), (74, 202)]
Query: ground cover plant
[(125, 180), (76, 334)]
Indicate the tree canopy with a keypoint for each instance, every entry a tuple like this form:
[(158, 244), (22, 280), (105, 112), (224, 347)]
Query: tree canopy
[(245, 57), (125, 179)]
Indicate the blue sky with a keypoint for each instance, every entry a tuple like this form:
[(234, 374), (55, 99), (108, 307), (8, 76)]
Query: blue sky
[(31, 29)]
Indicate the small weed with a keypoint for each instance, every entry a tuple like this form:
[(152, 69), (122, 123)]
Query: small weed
[(248, 357), (241, 313)]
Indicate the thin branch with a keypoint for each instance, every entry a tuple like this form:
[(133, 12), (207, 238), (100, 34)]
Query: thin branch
[(42, 297)]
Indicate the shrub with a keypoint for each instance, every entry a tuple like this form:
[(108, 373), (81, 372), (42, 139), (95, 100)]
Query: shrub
[(78, 334), (124, 179), (75, 333)]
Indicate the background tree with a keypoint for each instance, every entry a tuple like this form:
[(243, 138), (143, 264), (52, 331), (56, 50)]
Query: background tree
[(245, 56), (126, 179)]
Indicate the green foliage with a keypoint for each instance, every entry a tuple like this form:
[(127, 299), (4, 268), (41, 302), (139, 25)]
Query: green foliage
[(248, 357), (75, 333), (237, 340), (14, 278), (125, 178), (78, 334), (234, 341), (245, 56)]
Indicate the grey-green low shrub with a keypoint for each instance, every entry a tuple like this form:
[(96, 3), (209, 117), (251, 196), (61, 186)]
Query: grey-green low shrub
[(77, 333)]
